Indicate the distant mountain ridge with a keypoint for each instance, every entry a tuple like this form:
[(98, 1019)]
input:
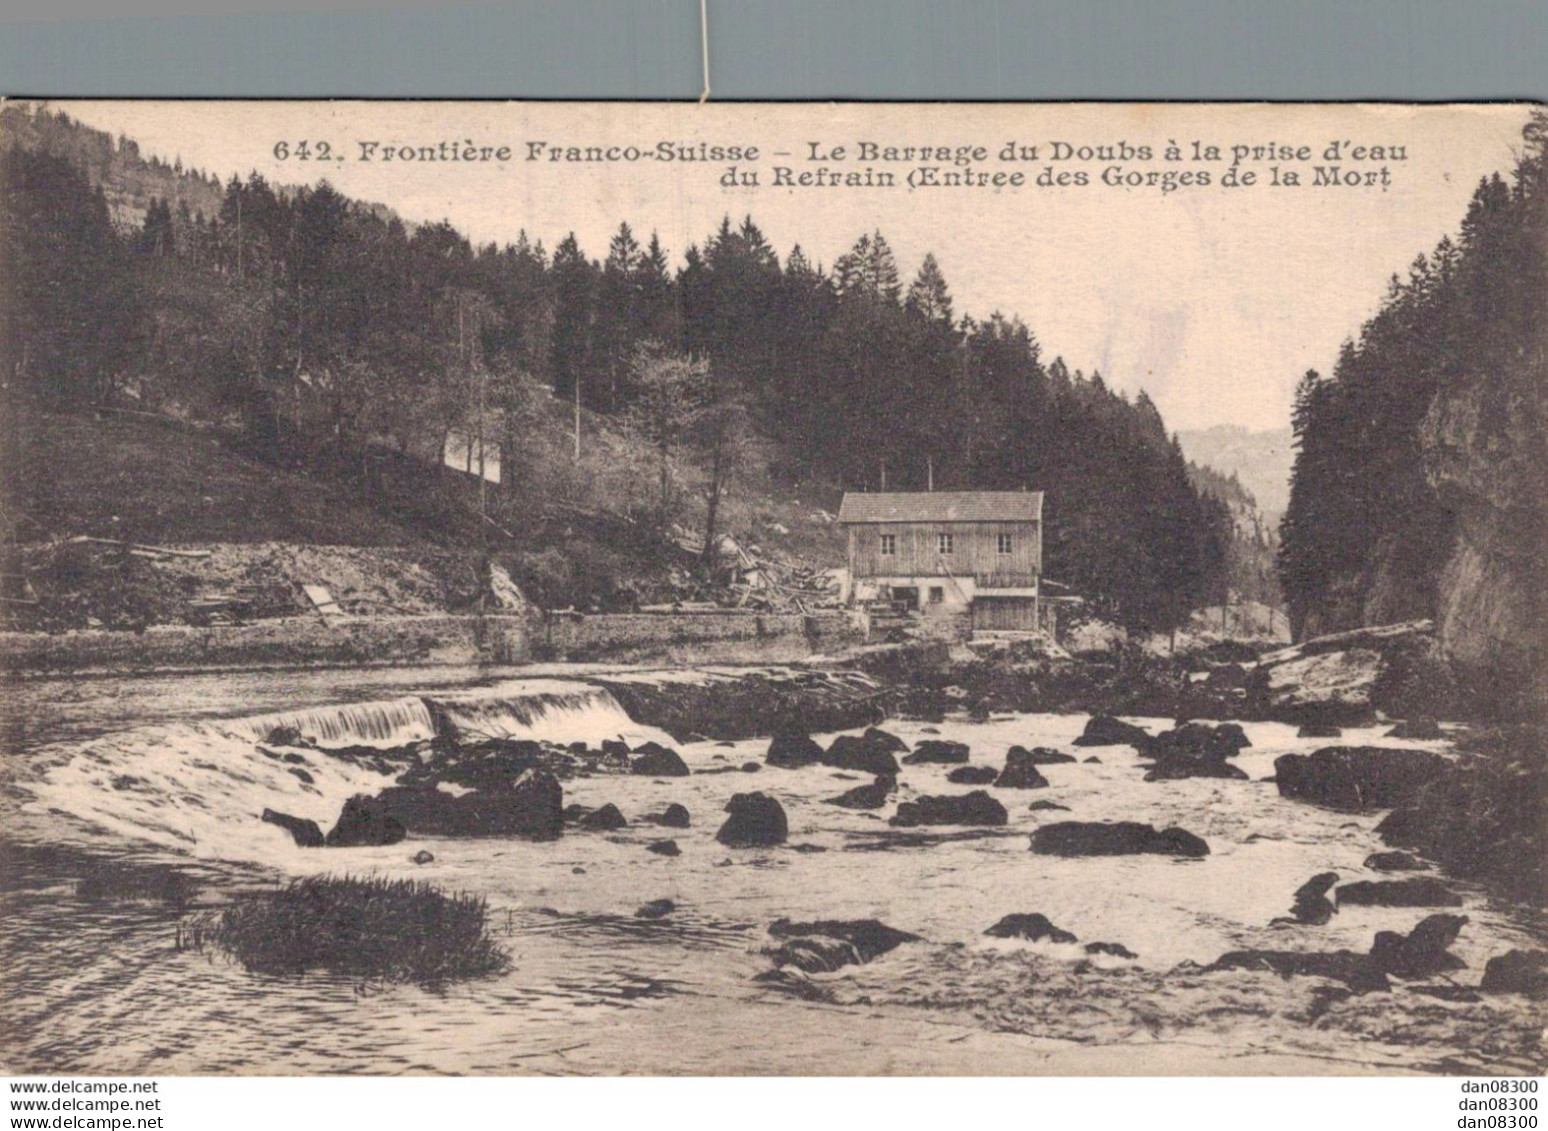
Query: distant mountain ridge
[(1261, 461)]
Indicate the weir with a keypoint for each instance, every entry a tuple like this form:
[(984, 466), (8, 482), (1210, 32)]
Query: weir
[(393, 722), (552, 710)]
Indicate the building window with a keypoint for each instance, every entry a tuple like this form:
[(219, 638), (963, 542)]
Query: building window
[(937, 592), (889, 545), (1005, 543), (943, 543)]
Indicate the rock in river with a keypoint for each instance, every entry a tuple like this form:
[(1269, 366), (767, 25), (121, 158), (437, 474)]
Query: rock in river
[(1104, 730), (305, 833), (1422, 951), (1319, 730), (365, 821), (792, 751), (886, 738), (827, 944), (531, 807), (1422, 891), (973, 775), (1021, 770), (674, 816), (756, 820), (1312, 905), (1393, 862), (872, 796), (607, 817), (1120, 838), (1516, 972), (937, 750), (976, 808), (1038, 756), (1031, 926), (653, 760), (863, 754), (1356, 777), (1417, 730)]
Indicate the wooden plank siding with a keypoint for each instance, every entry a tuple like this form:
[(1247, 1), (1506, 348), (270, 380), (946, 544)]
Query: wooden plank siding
[(975, 551), (1005, 614)]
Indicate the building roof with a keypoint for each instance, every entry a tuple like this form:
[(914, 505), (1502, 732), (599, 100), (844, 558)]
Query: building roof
[(941, 506)]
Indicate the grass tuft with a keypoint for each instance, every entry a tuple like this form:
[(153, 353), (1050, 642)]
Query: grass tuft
[(388, 930)]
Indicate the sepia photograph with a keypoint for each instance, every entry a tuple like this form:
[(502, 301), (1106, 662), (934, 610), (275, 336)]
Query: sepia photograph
[(773, 589)]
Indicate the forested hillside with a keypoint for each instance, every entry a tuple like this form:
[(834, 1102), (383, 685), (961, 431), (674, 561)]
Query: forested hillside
[(668, 387), (1421, 475)]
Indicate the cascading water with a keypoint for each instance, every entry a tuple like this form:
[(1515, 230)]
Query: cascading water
[(200, 788), (393, 722), (548, 710)]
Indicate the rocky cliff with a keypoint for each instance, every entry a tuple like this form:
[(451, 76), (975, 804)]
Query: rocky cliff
[(1485, 443)]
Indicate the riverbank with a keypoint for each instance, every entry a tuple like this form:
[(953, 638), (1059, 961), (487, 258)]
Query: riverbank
[(312, 642)]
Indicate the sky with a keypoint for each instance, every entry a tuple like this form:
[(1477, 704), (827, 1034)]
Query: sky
[(1212, 299)]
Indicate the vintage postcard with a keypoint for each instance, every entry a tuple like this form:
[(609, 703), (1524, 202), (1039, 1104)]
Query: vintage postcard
[(773, 589)]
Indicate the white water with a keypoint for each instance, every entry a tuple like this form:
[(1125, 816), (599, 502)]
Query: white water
[(199, 789), (679, 996)]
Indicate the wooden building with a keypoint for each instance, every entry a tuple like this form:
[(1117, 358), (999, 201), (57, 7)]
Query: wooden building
[(975, 554)]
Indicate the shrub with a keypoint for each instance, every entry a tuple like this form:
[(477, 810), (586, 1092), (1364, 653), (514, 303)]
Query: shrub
[(394, 930)]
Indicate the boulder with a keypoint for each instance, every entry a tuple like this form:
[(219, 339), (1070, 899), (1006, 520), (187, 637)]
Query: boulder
[(756, 820), (1417, 730), (1482, 819), (792, 752), (976, 808), (1117, 950), (1312, 905), (1193, 750), (865, 755), (1393, 862), (607, 817), (1422, 891), (664, 848), (306, 833), (1036, 805), (656, 761), (674, 816), (1120, 838), (1033, 927), (872, 796), (655, 909), (973, 775), (423, 856), (1176, 769), (365, 822), (616, 749), (1038, 756), (1319, 730), (751, 767), (1092, 761), (886, 738), (1516, 972), (1418, 954), (816, 954), (1422, 951), (937, 751), (531, 807), (1021, 770), (861, 940), (1104, 730), (1354, 778), (1332, 687), (1356, 971)]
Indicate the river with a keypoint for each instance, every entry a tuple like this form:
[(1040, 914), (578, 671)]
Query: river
[(127, 778)]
